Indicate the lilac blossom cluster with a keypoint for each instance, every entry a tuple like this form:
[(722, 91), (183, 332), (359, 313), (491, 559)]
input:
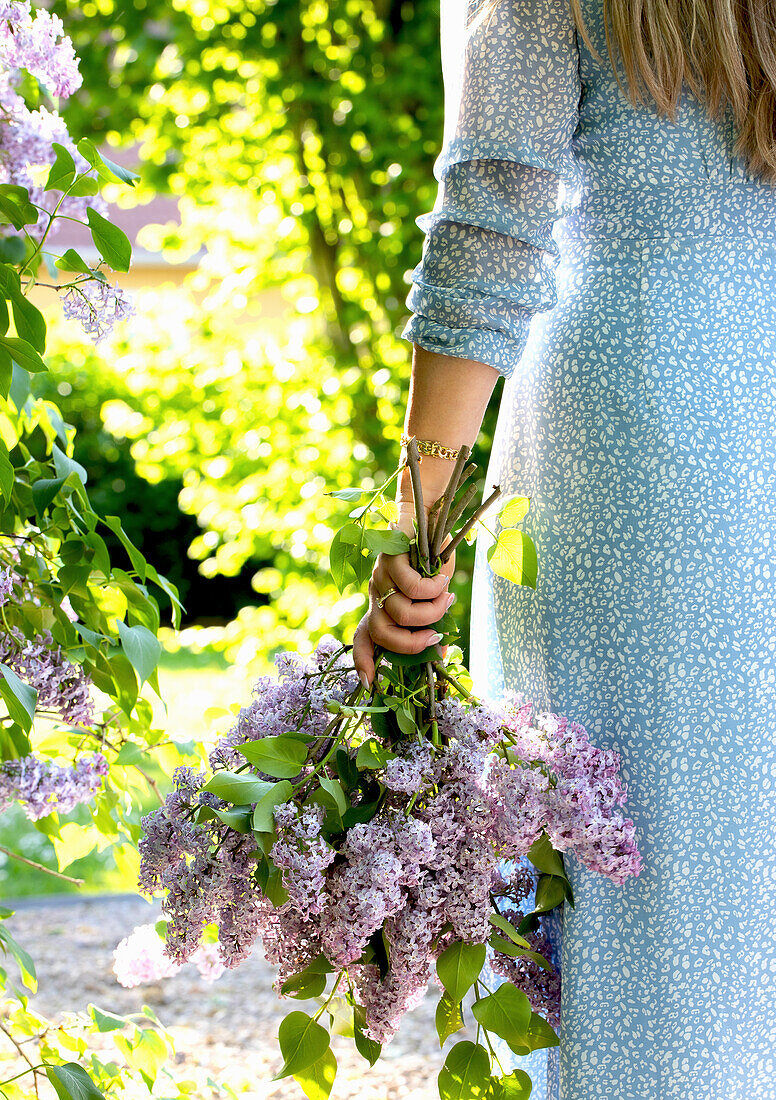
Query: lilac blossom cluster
[(422, 872), (97, 305), (43, 787), (140, 959), (36, 44), (582, 801), (62, 686)]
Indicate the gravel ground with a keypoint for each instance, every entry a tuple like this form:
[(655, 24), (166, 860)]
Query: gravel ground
[(226, 1029)]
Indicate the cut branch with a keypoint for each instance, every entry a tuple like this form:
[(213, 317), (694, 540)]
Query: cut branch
[(470, 523), (413, 461), (447, 500)]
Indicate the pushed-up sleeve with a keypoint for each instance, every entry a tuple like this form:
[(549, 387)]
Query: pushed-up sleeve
[(506, 172)]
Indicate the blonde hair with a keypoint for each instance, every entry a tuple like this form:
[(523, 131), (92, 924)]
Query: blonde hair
[(724, 50)]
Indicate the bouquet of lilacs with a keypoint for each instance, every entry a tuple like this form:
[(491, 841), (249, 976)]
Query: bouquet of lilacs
[(375, 839)]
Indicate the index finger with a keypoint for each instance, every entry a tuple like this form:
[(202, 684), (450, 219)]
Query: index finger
[(410, 582)]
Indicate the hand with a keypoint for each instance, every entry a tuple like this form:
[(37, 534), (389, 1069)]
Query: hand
[(418, 602)]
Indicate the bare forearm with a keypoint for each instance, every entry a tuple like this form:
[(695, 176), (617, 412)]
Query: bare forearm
[(447, 400)]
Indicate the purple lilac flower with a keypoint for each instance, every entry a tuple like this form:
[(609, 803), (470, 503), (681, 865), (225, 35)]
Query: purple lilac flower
[(295, 700), (7, 581), (38, 44), (61, 685), (302, 853), (43, 787), (98, 306), (411, 770), (381, 858), (542, 987)]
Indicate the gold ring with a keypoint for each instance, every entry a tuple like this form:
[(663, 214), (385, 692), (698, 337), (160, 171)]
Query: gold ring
[(390, 592)]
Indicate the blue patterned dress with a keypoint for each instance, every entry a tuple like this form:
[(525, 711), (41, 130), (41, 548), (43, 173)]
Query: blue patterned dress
[(620, 270)]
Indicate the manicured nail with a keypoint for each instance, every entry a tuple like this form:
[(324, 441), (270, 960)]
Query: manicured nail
[(364, 681), (447, 581), (450, 601), (434, 639)]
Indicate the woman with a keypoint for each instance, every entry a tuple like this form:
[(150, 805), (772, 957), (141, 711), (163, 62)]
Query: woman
[(605, 237)]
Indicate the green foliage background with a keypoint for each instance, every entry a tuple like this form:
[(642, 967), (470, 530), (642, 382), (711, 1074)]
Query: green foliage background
[(299, 138)]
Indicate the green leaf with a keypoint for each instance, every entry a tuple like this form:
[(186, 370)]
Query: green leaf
[(387, 542), (240, 789), (276, 795), (111, 242), (448, 1018), (466, 1073), (138, 561), (142, 648), (15, 206), (106, 168), (273, 888), (459, 967), (23, 353), (373, 755), (62, 171), (106, 1021), (513, 556), (172, 592), (410, 660), (7, 473), (9, 946), (12, 249), (71, 1082), (304, 985), (517, 1086), (317, 1080), (368, 1048), (19, 698), (498, 921), (238, 819), (319, 967), (345, 555), (346, 769), (302, 1042), (85, 185), (550, 892), (280, 756), (350, 495), (506, 947), (64, 464), (539, 1034), (44, 491), (30, 325), (333, 788), (71, 261), (515, 510), (506, 1013), (546, 858)]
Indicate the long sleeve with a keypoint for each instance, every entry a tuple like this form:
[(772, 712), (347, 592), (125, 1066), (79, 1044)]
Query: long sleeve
[(506, 172)]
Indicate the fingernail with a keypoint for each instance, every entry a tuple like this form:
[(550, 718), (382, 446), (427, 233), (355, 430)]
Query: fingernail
[(447, 581), (450, 600), (434, 639), (364, 681)]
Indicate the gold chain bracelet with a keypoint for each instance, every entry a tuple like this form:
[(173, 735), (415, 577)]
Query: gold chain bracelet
[(433, 448)]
